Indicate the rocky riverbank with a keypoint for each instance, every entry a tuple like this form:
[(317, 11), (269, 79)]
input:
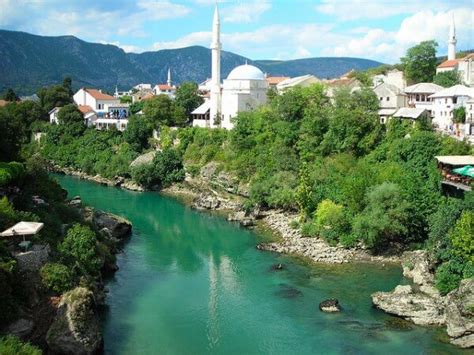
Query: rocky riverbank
[(422, 304), (68, 324)]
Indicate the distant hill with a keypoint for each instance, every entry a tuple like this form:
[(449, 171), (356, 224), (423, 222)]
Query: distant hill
[(28, 62)]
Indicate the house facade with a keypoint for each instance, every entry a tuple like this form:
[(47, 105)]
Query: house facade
[(391, 98), (418, 96)]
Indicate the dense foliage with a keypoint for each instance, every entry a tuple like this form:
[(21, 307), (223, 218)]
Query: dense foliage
[(447, 78), (352, 179), (11, 345), (165, 169), (56, 277), (420, 62)]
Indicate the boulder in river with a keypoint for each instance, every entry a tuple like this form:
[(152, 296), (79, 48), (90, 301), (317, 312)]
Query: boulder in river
[(75, 329), (330, 306), (277, 267), (118, 227)]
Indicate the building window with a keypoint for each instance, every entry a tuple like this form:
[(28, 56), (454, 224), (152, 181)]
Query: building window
[(455, 100), (388, 98), (417, 97)]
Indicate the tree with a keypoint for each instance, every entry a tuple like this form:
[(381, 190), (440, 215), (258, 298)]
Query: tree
[(420, 62), (67, 84), (138, 132), (304, 192), (70, 114), (54, 96), (159, 110), (459, 115), (79, 249), (10, 96), (11, 345), (384, 219), (447, 78), (187, 97), (462, 236), (165, 169)]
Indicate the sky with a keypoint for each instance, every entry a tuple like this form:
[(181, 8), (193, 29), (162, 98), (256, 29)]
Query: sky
[(260, 29)]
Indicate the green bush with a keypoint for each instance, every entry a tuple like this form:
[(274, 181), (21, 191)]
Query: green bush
[(165, 169), (11, 345), (449, 274), (79, 249), (330, 221), (56, 277)]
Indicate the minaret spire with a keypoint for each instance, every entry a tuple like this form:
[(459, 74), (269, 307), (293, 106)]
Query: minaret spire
[(169, 77), (215, 110), (452, 40)]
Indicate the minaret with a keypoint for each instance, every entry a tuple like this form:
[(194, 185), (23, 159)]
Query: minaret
[(452, 40), (169, 77), (215, 110)]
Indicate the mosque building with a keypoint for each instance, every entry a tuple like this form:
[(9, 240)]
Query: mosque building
[(244, 89)]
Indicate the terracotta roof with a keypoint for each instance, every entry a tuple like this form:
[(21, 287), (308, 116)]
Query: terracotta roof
[(449, 63), (85, 109), (274, 80), (165, 87), (469, 56), (98, 95), (3, 103), (148, 96)]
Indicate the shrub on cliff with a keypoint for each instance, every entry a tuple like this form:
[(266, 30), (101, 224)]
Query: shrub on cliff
[(79, 249), (165, 169), (56, 277), (11, 345)]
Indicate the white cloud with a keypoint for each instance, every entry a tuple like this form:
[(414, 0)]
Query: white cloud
[(376, 9), (422, 26), (160, 10), (195, 38), (246, 12)]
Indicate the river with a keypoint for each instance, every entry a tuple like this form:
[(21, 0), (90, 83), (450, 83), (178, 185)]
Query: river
[(193, 283)]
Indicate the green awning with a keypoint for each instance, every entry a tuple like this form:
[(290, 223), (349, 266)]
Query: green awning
[(467, 170)]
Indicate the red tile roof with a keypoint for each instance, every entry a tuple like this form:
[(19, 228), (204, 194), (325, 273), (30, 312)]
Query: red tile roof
[(98, 95), (85, 109), (165, 87), (449, 63), (274, 80), (148, 96)]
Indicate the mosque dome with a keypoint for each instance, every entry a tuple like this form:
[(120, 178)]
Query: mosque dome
[(246, 72)]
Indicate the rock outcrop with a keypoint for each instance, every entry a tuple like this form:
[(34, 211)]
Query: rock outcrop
[(418, 307), (330, 306), (460, 314), (206, 202), (76, 328), (118, 227), (423, 305)]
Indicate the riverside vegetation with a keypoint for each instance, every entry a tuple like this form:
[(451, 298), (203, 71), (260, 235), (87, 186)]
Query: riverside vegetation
[(351, 179)]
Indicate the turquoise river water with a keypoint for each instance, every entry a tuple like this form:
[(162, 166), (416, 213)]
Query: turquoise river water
[(193, 283)]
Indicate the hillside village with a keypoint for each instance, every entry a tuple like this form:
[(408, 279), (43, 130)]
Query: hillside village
[(246, 88)]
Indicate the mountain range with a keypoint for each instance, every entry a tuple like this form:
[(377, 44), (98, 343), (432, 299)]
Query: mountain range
[(29, 62)]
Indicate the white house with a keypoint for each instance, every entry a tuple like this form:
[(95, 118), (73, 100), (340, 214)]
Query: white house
[(303, 81), (142, 86), (87, 112), (244, 89), (393, 77), (53, 115), (419, 95), (445, 102), (95, 99), (391, 98), (470, 118), (411, 113)]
